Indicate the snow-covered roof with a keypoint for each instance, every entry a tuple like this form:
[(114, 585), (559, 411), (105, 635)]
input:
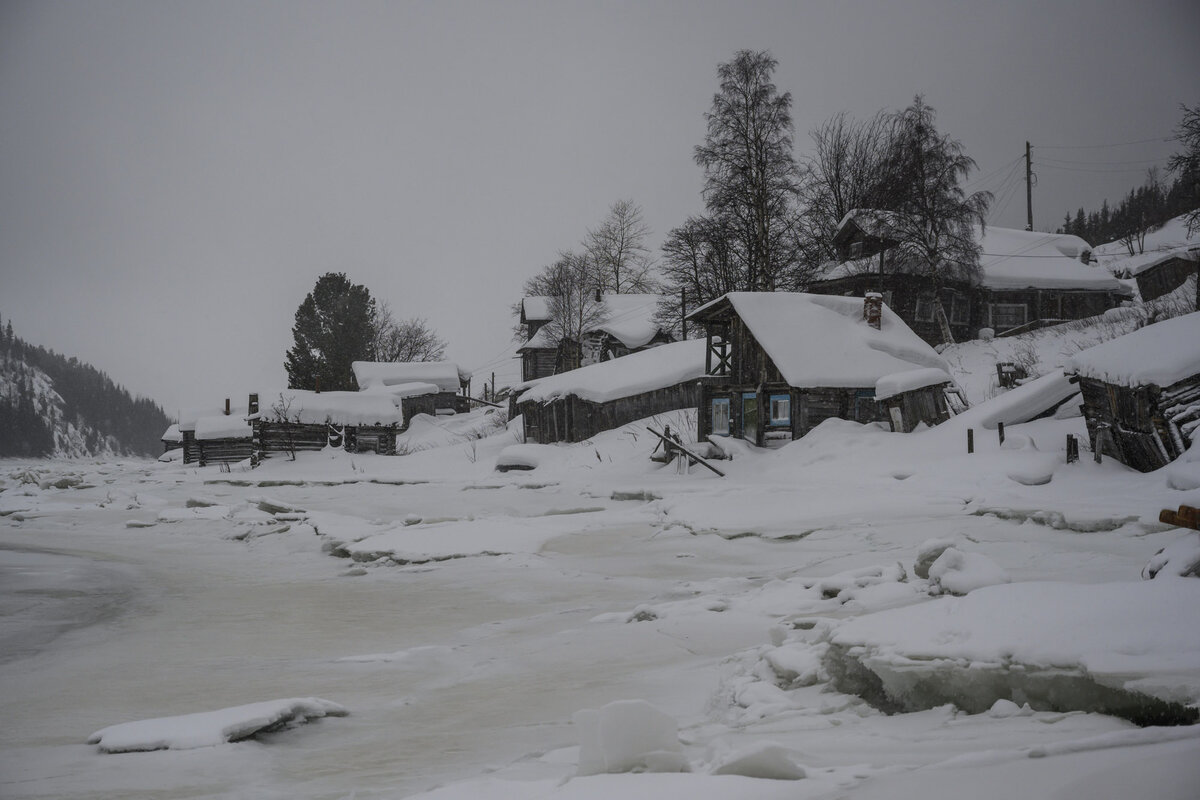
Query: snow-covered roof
[(402, 390), (629, 318), (233, 426), (871, 221), (645, 371), (822, 340), (539, 341), (1160, 354), (445, 374), (172, 434), (336, 408), (1132, 266), (1016, 259), (189, 416), (909, 380), (535, 309)]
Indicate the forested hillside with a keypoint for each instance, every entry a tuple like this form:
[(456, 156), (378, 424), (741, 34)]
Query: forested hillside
[(54, 405)]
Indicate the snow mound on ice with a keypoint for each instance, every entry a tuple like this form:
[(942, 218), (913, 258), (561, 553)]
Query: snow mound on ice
[(761, 760), (927, 553), (210, 728), (628, 736), (956, 572), (1048, 644), (1179, 559)]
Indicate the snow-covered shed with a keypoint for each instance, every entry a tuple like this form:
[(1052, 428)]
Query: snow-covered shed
[(217, 418), (626, 325), (1026, 280), (423, 387), (1158, 272), (224, 439), (172, 438), (291, 420), (779, 363), (577, 404), (1141, 392)]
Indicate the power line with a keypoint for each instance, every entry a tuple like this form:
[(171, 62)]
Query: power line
[(993, 172), (1098, 146), (1102, 163), (1083, 169)]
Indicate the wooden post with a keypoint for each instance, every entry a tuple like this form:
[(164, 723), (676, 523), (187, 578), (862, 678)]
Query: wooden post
[(1000, 430), (683, 312), (970, 440), (1072, 448)]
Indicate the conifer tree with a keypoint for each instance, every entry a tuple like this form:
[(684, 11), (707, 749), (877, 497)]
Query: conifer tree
[(335, 326)]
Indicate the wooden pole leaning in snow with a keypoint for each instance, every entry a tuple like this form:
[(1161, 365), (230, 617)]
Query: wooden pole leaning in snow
[(671, 444)]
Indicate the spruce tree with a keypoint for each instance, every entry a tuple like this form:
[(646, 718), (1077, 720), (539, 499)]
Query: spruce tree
[(334, 327)]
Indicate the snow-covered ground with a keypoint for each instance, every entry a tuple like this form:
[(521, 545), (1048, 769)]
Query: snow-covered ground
[(859, 614)]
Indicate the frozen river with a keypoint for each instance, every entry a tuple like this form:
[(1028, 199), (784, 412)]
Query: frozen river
[(507, 604), (447, 669)]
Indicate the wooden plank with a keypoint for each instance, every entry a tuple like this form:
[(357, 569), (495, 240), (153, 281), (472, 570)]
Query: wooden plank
[(670, 443)]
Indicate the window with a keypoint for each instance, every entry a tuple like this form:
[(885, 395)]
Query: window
[(1007, 315), (960, 309), (720, 416), (781, 409), (924, 312)]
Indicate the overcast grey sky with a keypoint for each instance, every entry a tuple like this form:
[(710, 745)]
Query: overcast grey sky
[(174, 176)]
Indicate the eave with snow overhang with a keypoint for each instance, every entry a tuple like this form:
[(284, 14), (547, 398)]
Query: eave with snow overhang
[(1027, 280), (628, 326), (1141, 392), (577, 404), (779, 363)]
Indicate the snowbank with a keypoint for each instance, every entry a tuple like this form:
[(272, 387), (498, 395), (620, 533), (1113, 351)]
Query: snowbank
[(212, 727), (1052, 643), (628, 736)]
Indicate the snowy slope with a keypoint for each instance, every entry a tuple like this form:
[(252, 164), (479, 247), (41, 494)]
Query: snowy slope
[(71, 438)]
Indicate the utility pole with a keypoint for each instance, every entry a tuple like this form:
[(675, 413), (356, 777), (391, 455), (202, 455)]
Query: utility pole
[(1028, 190), (683, 312)]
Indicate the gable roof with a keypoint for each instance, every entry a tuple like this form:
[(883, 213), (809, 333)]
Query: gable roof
[(446, 375), (823, 341), (629, 318)]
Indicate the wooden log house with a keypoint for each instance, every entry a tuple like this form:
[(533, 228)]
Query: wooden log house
[(172, 438), (779, 363), (1159, 273), (1141, 392), (628, 326), (292, 420), (421, 387), (1026, 280), (578, 404), (189, 419)]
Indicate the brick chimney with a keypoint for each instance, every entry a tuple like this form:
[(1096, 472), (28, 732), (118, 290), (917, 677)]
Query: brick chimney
[(227, 406), (252, 404), (873, 309)]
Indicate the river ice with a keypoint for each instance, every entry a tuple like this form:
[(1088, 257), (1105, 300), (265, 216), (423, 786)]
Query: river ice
[(597, 577)]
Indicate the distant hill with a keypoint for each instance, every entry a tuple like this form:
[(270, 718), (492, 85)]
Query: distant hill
[(51, 405)]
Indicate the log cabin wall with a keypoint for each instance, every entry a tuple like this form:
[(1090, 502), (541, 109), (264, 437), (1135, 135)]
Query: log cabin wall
[(191, 449), (1144, 427), (571, 419), (223, 451), (927, 405)]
